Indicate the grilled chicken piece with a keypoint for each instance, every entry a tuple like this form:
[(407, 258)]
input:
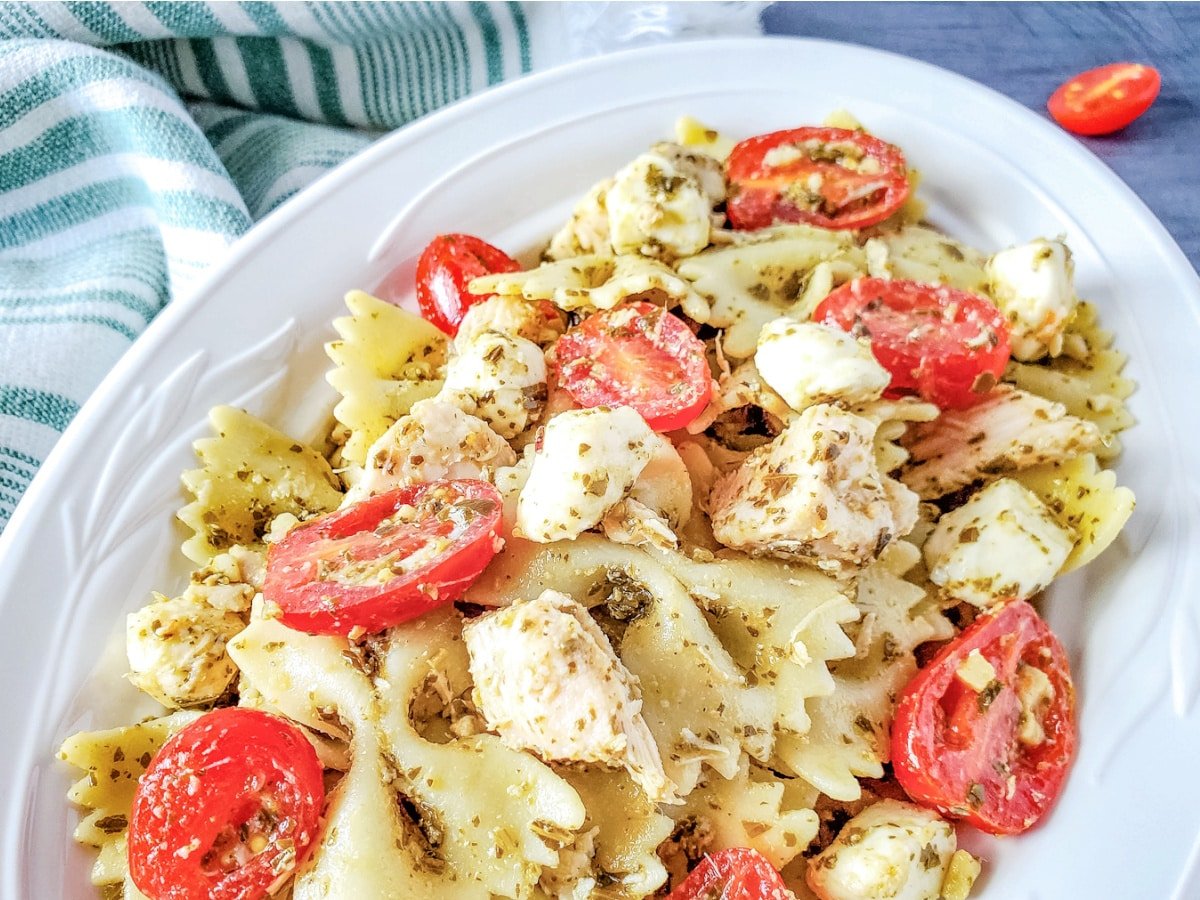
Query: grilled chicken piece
[(1008, 431)]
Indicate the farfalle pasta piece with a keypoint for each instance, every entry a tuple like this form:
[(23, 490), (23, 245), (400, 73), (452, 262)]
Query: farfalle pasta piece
[(765, 276), (893, 418), (594, 282), (113, 760), (1086, 500), (249, 474), (500, 813), (750, 809), (478, 818), (1086, 379), (713, 684), (385, 361), (851, 726), (919, 253), (781, 624), (621, 836)]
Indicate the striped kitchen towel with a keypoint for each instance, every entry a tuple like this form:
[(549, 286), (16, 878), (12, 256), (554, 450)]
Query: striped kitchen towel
[(139, 140)]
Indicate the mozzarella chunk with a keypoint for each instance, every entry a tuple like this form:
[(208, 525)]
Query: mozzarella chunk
[(1003, 542), (1008, 431), (661, 203), (177, 653), (511, 316), (588, 462), (814, 494), (889, 851), (435, 440), (176, 647), (807, 363), (499, 378), (1034, 285), (1036, 693), (547, 680)]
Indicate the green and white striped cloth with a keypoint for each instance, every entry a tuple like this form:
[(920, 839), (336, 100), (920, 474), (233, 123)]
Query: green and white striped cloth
[(139, 140)]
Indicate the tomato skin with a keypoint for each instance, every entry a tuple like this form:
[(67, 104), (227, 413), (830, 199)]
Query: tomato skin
[(948, 346), (759, 189), (330, 575), (208, 781), (737, 873), (955, 750), (1106, 99), (637, 355), (445, 269)]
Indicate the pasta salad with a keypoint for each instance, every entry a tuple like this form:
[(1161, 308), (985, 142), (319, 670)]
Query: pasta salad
[(700, 558)]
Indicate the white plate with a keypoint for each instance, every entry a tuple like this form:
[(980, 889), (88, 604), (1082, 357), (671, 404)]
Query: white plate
[(96, 533)]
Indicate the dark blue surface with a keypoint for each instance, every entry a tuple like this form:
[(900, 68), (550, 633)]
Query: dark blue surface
[(1026, 50)]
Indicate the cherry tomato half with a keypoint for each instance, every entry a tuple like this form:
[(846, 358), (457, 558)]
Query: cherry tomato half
[(228, 808), (829, 177), (636, 355), (386, 559), (1106, 99), (982, 755), (734, 874), (946, 345), (445, 269)]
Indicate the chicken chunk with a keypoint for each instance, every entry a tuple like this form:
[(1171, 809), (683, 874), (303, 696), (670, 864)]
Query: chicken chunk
[(1034, 286), (1003, 542), (499, 378), (1008, 431), (511, 316), (589, 460), (661, 204), (814, 494), (176, 647), (176, 650), (547, 680), (659, 503), (889, 851), (807, 363), (435, 440), (634, 523)]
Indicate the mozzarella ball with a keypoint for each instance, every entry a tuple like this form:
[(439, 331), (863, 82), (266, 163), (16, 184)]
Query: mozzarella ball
[(1003, 542), (500, 379), (889, 851), (588, 461), (1034, 286), (807, 363)]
